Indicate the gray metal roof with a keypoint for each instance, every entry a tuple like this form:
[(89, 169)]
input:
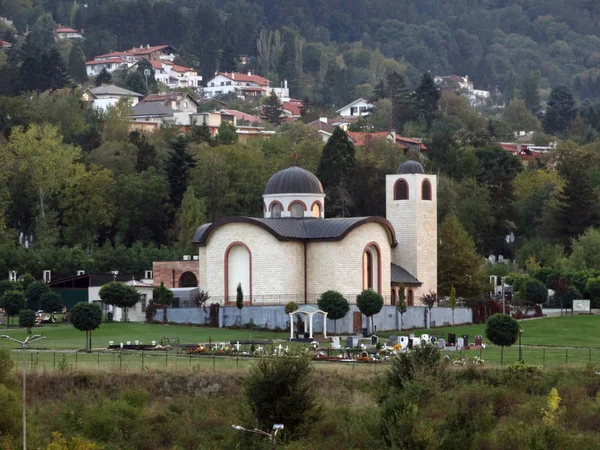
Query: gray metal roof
[(290, 229), (109, 89), (411, 167), (294, 180), (401, 275), (151, 109)]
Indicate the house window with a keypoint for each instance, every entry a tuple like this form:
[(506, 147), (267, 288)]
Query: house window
[(222, 83), (109, 66), (372, 267), (393, 299), (212, 84), (401, 190), (410, 298), (228, 83), (185, 104), (353, 110), (426, 190), (144, 302)]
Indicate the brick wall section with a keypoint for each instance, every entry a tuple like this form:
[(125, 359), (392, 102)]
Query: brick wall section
[(162, 271)]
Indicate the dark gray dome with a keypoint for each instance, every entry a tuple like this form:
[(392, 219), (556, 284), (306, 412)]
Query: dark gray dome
[(294, 180), (411, 167)]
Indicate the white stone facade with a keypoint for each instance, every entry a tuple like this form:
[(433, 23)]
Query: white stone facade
[(415, 222)]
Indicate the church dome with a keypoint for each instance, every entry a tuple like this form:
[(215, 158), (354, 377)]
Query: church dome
[(293, 180), (410, 167)]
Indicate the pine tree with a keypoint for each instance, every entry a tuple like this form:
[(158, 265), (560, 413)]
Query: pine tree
[(227, 63), (191, 216), (379, 92), (178, 168), (146, 152), (510, 82), (531, 91), (55, 70), (76, 64), (561, 111), (400, 98), (104, 77), (426, 98), (272, 110), (336, 169), (144, 67), (134, 81)]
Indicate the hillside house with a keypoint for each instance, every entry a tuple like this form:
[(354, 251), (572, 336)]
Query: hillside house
[(108, 95), (175, 76), (243, 85), (358, 108), (177, 101), (68, 33)]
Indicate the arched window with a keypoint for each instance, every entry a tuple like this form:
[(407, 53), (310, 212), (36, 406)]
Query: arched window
[(393, 299), (238, 270), (276, 211), (410, 298), (316, 209), (297, 208), (188, 279), (426, 190), (372, 268), (401, 190)]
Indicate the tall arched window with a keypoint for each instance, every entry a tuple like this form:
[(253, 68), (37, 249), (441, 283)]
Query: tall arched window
[(410, 298), (238, 270), (372, 267), (188, 279), (316, 210), (401, 190), (393, 299), (426, 190)]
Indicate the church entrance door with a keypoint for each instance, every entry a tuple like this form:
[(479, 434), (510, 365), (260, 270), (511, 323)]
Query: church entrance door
[(357, 322)]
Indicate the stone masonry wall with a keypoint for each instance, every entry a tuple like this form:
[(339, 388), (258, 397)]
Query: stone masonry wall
[(169, 272)]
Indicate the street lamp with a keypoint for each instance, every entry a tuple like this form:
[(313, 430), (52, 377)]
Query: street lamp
[(24, 344), (520, 351), (271, 436)]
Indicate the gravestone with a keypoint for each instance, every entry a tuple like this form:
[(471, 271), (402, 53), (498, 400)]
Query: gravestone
[(404, 341), (460, 344), (441, 343), (425, 339), (352, 342), (374, 340), (335, 342), (416, 342), (451, 339), (393, 340), (465, 338), (410, 343), (432, 340), (478, 340)]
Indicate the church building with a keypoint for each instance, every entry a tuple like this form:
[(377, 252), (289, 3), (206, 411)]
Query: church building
[(294, 254)]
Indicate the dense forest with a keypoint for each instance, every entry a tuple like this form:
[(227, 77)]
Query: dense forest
[(493, 41)]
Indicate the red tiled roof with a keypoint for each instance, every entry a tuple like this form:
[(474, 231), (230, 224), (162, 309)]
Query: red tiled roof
[(402, 139), (181, 69), (239, 115), (261, 81), (147, 50), (360, 138), (106, 61), (322, 126), (113, 54), (293, 107), (66, 30), (156, 64)]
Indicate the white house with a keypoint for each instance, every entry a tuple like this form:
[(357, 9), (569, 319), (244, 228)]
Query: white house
[(359, 107), (134, 314), (68, 33), (244, 85), (107, 95), (177, 101), (175, 76), (111, 61)]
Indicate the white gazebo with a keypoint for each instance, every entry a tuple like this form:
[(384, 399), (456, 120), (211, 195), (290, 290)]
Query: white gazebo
[(310, 311)]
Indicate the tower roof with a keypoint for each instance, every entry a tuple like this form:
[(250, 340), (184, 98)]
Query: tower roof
[(293, 180), (410, 167)]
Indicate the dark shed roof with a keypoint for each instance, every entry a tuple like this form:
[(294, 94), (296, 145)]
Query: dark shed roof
[(299, 229), (293, 180), (401, 275)]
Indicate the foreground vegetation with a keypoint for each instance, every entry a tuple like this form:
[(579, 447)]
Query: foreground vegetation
[(417, 404)]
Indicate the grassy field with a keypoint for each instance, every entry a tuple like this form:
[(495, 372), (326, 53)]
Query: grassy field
[(568, 331), (61, 337)]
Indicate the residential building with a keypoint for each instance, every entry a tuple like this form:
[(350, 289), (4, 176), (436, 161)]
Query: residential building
[(173, 75), (324, 128), (68, 33), (359, 107), (107, 95), (177, 101), (125, 59), (292, 110), (465, 87), (156, 52), (151, 116), (243, 85)]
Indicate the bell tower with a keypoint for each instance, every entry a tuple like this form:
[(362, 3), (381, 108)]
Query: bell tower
[(411, 207)]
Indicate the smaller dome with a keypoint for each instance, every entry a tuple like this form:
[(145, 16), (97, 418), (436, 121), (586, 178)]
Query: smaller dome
[(293, 180), (410, 167)]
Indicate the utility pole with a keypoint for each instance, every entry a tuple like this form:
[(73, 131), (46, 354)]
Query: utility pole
[(24, 344)]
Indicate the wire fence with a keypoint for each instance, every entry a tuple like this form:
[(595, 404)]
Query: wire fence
[(180, 360)]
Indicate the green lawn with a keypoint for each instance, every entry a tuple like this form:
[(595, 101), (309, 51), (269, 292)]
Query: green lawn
[(568, 331), (60, 337)]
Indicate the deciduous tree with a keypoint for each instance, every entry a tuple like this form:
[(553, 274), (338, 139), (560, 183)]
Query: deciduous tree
[(120, 295), (86, 317), (369, 303), (335, 305), (502, 330)]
